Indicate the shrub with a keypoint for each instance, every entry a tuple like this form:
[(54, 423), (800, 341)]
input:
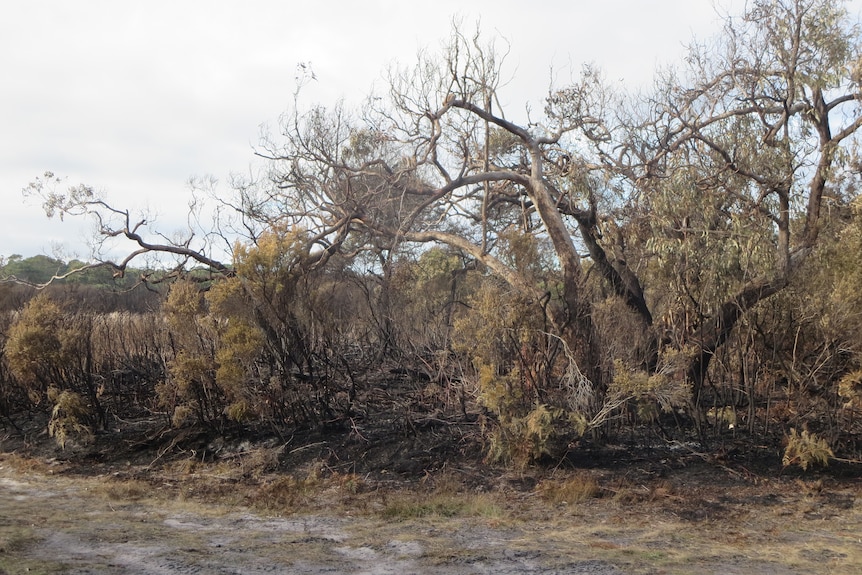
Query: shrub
[(805, 449), (543, 431), (33, 348), (850, 390), (70, 417)]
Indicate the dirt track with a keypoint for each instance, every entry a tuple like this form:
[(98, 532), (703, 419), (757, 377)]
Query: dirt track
[(61, 524), (56, 525)]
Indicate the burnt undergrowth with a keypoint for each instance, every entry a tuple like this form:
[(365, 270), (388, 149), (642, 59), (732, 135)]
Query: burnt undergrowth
[(394, 434)]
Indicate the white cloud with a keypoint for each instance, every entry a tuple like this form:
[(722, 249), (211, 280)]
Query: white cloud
[(134, 98)]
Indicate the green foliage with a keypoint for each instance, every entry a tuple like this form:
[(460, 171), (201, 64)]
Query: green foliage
[(696, 212), (806, 449), (525, 253), (435, 267), (41, 269), (722, 417), (504, 330), (47, 347), (813, 329), (501, 393), (33, 349), (192, 374), (423, 296), (665, 390), (520, 441), (227, 298), (256, 346), (183, 308), (844, 273), (502, 143), (502, 335), (699, 248), (36, 269), (273, 264), (826, 40), (239, 411), (68, 348), (183, 416), (239, 346), (520, 373), (240, 341), (190, 387)]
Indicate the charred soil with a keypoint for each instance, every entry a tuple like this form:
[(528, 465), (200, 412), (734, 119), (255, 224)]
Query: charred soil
[(383, 493)]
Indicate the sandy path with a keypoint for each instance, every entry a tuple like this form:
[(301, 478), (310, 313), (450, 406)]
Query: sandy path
[(61, 524), (51, 524)]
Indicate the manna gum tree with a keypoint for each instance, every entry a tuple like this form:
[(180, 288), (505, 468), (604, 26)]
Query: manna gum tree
[(691, 204), (726, 167)]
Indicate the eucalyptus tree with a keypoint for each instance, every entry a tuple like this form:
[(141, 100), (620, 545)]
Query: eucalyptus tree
[(689, 204), (435, 160), (717, 181), (693, 202)]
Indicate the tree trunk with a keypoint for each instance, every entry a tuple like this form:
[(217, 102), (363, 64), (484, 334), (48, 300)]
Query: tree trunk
[(715, 335)]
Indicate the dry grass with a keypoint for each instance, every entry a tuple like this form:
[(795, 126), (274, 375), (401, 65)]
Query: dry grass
[(25, 465), (669, 532), (407, 506), (444, 496), (571, 491), (127, 489), (708, 523), (284, 495), (15, 539)]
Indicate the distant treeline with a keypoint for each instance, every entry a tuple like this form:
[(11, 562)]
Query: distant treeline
[(41, 269), (98, 289)]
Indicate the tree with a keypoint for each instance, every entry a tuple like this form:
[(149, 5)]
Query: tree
[(35, 270), (113, 223), (669, 216), (712, 188), (720, 178), (435, 163)]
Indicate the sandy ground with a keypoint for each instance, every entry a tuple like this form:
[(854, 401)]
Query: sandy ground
[(77, 525), (55, 525)]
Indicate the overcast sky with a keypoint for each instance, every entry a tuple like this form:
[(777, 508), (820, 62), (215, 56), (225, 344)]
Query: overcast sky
[(133, 98)]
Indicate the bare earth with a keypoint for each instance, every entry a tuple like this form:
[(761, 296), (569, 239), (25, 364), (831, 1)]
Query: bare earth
[(55, 522)]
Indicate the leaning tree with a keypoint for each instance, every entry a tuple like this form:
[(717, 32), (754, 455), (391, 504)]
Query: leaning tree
[(692, 203), (685, 206), (715, 184)]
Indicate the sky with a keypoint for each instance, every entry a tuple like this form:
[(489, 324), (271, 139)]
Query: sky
[(135, 98)]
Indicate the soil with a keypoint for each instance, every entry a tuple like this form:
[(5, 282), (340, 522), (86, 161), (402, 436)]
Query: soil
[(412, 499)]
